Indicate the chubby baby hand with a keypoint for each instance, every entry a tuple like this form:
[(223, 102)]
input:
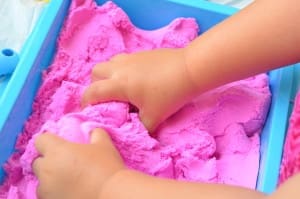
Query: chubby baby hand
[(68, 171), (156, 82)]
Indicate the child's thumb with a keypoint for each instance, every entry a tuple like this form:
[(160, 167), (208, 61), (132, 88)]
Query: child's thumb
[(99, 136), (150, 122), (102, 91), (46, 142)]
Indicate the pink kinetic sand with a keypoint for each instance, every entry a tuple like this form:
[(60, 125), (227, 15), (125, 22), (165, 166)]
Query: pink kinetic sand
[(291, 155), (215, 138)]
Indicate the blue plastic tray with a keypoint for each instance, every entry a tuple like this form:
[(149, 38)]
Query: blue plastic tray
[(8, 61), (16, 101), (18, 91)]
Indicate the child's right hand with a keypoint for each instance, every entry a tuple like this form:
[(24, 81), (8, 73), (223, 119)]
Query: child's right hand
[(156, 82)]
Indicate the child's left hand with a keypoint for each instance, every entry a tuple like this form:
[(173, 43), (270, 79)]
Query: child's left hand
[(68, 170)]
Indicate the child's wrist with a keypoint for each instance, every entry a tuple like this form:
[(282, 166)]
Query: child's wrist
[(202, 67), (191, 81)]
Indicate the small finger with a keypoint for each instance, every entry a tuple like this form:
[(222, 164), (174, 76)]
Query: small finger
[(150, 122), (99, 135), (101, 71), (46, 142), (41, 192), (102, 91), (37, 166), (119, 57)]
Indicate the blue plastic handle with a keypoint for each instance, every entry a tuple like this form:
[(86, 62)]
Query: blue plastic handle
[(8, 61)]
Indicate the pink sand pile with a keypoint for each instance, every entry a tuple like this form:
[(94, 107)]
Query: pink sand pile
[(291, 155), (215, 138)]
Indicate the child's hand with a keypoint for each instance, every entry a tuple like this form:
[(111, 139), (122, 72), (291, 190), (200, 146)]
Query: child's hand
[(156, 82), (69, 170)]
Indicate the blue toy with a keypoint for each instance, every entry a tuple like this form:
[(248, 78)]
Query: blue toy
[(8, 61)]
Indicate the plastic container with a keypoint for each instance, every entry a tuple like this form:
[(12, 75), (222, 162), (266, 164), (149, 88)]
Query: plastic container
[(11, 51), (15, 104), (17, 91)]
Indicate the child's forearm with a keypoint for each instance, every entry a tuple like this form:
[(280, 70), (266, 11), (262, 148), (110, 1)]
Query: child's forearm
[(134, 185), (264, 36)]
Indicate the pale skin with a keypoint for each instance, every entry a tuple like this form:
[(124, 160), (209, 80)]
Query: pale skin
[(264, 36)]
